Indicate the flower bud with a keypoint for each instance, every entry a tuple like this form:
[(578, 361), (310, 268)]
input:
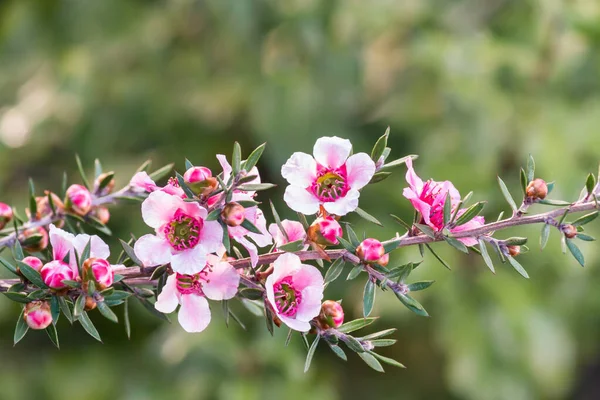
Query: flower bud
[(37, 315), (54, 272), (325, 231), (108, 188), (200, 180), (99, 270), (537, 189), (370, 250), (384, 260), (78, 199), (233, 214), (90, 303), (33, 262), (34, 239), (569, 230), (331, 315), (6, 214), (102, 214), (43, 205), (514, 251)]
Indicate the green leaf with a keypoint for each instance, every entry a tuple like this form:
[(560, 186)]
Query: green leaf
[(401, 222), (379, 176), (387, 360), (8, 266), (162, 172), (470, 213), (32, 275), (383, 342), (278, 221), (250, 226), (517, 267), (236, 159), (354, 272), (486, 256), (97, 168), (188, 164), (421, 285), (556, 203), (251, 293), (64, 185), (66, 310), (106, 180), (269, 320), (447, 208), (292, 247), (379, 146), (426, 229), (366, 216), (356, 324), (107, 312), (226, 240), (398, 162), (379, 334), (79, 305), (590, 183), (412, 304), (390, 245), (126, 318), (254, 157), (586, 219), (89, 327), (54, 309), (18, 297), (530, 168), (98, 225), (53, 335), (457, 244), (352, 237), (21, 328), (311, 353), (255, 187), (130, 253), (334, 270), (515, 241), (353, 344), (32, 202), (368, 298), (18, 251), (346, 244), (507, 195), (82, 172), (213, 215), (150, 308), (371, 361), (337, 350), (584, 237), (524, 182), (402, 272), (440, 259), (576, 252), (186, 189)]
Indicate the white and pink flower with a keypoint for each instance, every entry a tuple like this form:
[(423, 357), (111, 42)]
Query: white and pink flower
[(331, 179), (294, 229), (183, 236), (428, 198), (217, 280), (141, 182), (295, 291)]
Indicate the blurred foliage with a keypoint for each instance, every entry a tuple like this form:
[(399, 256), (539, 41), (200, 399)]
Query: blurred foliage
[(472, 86)]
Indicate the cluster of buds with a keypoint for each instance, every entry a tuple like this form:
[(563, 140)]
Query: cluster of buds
[(371, 251)]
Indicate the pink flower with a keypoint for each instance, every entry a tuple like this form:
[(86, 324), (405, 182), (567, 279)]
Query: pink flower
[(183, 237), (37, 315), (55, 272), (370, 250), (141, 182), (294, 230), (218, 280), (33, 262), (332, 178), (325, 231), (79, 199), (295, 291), (429, 198)]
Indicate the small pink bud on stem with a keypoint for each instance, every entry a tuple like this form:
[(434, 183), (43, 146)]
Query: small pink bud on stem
[(34, 239), (233, 214), (54, 272), (99, 270), (537, 189), (37, 315), (200, 180), (108, 188), (6, 214), (331, 315), (102, 214), (371, 251), (325, 231), (78, 199), (33, 262)]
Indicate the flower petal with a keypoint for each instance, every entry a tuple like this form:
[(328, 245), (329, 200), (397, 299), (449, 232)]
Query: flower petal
[(223, 282), (61, 241), (412, 178), (308, 276), (332, 152), (159, 208), (301, 200), (472, 224), (418, 204), (167, 301), (211, 236), (252, 250), (152, 250), (192, 209), (360, 169), (194, 314), (343, 205), (295, 324), (98, 248), (190, 261), (311, 303), (141, 182), (286, 264), (225, 165), (300, 170)]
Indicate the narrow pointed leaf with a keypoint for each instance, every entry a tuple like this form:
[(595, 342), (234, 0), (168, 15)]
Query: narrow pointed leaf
[(447, 209), (53, 335), (371, 361), (486, 256), (356, 324), (412, 304), (524, 182), (470, 213), (82, 172), (507, 195), (278, 221), (440, 259), (236, 159), (337, 350), (399, 162), (586, 219), (380, 145), (162, 172), (89, 327), (457, 244), (387, 360), (421, 285), (366, 216), (254, 157), (21, 328), (334, 270), (577, 254), (311, 353), (518, 267), (368, 298)]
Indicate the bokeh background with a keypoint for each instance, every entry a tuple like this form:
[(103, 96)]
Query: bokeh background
[(472, 86)]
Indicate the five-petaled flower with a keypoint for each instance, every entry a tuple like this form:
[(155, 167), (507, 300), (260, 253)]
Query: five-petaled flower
[(183, 236), (428, 198), (295, 291), (331, 179)]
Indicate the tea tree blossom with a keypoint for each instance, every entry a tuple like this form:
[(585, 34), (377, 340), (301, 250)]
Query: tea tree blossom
[(293, 229), (332, 178)]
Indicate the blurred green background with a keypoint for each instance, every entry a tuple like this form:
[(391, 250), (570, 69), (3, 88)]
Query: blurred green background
[(472, 86)]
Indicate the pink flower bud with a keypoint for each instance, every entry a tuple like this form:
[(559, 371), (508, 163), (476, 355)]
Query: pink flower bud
[(233, 214), (37, 315), (78, 199), (325, 231), (100, 270), (370, 250), (6, 214), (34, 239), (331, 315), (43, 205), (33, 262), (106, 189), (197, 174), (54, 272), (102, 214)]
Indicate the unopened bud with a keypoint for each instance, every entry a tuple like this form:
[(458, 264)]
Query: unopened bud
[(6, 214), (514, 251), (102, 214), (78, 199), (233, 214), (54, 272), (90, 304), (34, 239), (33, 262), (384, 260), (331, 315), (100, 271), (37, 315), (370, 250), (325, 231), (200, 180), (537, 189), (43, 205), (569, 230), (108, 186)]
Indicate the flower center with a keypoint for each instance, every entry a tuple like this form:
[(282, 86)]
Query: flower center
[(183, 232), (173, 182), (431, 191), (330, 185), (192, 284), (287, 298)]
